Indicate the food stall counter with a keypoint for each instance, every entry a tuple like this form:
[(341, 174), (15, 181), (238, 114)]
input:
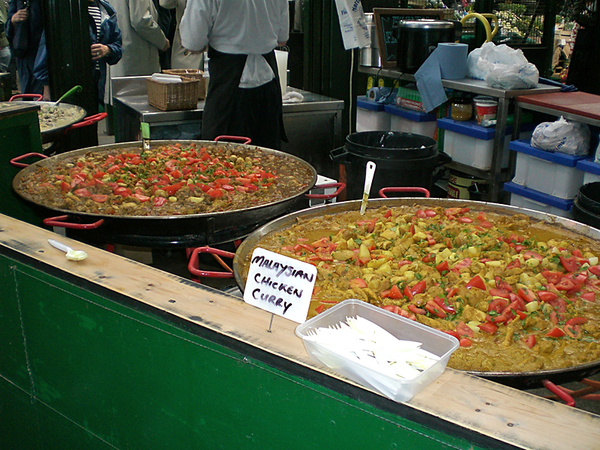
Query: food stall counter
[(110, 353)]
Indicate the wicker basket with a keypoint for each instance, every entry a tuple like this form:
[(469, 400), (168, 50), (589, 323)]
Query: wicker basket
[(191, 74), (173, 96)]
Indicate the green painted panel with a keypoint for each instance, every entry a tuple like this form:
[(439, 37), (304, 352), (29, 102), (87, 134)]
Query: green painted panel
[(117, 375)]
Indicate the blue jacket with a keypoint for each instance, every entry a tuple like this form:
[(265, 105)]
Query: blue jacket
[(110, 35)]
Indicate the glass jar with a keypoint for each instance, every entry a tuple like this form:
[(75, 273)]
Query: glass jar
[(461, 108)]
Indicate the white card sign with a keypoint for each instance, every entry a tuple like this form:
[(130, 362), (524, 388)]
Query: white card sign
[(280, 285)]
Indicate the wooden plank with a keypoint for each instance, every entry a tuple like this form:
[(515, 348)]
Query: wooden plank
[(511, 416)]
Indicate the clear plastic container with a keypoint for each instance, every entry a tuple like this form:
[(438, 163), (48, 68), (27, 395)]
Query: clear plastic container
[(397, 389)]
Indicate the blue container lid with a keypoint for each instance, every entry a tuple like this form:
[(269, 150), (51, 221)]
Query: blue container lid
[(363, 102), (588, 165), (538, 196), (415, 116), (473, 129), (563, 159)]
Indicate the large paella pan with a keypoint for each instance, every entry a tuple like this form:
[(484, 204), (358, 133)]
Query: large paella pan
[(518, 288), (171, 193)]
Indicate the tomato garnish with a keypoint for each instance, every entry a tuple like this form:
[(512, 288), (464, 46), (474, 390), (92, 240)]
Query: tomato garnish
[(476, 282)]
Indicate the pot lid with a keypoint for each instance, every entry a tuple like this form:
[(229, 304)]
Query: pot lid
[(429, 24), (391, 145)]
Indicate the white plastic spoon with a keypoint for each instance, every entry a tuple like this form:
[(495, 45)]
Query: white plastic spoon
[(73, 255), (371, 166)]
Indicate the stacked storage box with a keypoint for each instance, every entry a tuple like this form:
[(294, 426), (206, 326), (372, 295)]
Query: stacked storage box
[(544, 181), (370, 116), (409, 121), (590, 169), (473, 145)]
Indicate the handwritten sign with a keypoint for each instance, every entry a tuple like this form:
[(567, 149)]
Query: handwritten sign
[(280, 285)]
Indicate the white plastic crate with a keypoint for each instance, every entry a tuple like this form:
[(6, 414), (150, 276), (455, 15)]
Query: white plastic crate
[(408, 121), (591, 170), (471, 144), (371, 116), (321, 180), (555, 174), (528, 198)]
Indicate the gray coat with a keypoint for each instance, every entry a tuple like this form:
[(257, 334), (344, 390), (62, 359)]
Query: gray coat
[(180, 57), (142, 38)]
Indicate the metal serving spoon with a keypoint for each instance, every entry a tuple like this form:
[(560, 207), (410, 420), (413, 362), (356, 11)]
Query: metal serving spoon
[(73, 255)]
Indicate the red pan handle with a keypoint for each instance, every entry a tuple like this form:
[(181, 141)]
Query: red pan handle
[(217, 253), (560, 392), (15, 161), (242, 139), (385, 190), (58, 221), (340, 186), (36, 97), (88, 121)]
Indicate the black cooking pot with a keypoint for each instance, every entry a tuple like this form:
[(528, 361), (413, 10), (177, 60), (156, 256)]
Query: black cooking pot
[(402, 159), (418, 38)]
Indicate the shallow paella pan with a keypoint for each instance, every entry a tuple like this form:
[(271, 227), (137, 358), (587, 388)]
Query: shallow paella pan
[(181, 230), (522, 380)]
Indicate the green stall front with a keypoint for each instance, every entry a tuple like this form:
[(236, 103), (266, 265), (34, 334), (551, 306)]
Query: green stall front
[(108, 353)]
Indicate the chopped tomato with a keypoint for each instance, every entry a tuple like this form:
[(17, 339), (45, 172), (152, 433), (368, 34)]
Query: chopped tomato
[(576, 321), (415, 309), (465, 342), (159, 201), (589, 296), (476, 282), (82, 192), (435, 309), (442, 267), (555, 333), (526, 294), (529, 341), (498, 304), (570, 264), (395, 292), (546, 296), (171, 189), (452, 333), (488, 327), (100, 198), (594, 270), (499, 293), (141, 197), (65, 187), (552, 276), (464, 330), (565, 284), (358, 283), (215, 192), (392, 308), (418, 288)]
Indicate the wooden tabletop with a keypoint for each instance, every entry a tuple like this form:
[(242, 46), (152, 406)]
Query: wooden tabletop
[(577, 103)]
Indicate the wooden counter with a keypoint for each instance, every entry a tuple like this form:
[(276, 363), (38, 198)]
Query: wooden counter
[(230, 381)]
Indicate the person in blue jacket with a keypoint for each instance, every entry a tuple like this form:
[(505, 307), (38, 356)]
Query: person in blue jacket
[(106, 46), (24, 29)]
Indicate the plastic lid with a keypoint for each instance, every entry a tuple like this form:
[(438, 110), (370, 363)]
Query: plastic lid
[(538, 196), (563, 159)]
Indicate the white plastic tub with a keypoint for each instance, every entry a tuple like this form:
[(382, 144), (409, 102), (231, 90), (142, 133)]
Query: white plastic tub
[(371, 116), (408, 121), (555, 174), (471, 144), (400, 390)]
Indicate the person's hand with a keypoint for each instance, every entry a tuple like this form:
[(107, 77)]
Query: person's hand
[(20, 16), (99, 51), (166, 47)]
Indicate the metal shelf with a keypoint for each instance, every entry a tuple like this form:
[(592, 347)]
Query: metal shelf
[(496, 176)]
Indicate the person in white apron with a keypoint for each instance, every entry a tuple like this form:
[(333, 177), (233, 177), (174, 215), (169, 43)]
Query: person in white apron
[(244, 95)]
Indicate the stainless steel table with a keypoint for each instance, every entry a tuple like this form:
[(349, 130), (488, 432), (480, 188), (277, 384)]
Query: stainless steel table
[(313, 127)]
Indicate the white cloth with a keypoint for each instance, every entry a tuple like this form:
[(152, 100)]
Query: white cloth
[(142, 38), (181, 58), (242, 27)]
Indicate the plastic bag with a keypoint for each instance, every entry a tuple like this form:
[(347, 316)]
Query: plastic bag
[(563, 136), (473, 71), (503, 67)]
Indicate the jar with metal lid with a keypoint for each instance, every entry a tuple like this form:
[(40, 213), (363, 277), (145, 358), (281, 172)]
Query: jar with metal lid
[(461, 108)]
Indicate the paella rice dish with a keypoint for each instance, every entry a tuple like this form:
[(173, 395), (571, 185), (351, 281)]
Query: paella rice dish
[(166, 180), (518, 294)]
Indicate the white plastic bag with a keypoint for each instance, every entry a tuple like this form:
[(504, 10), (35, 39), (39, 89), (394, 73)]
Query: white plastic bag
[(473, 71), (563, 136), (503, 67)]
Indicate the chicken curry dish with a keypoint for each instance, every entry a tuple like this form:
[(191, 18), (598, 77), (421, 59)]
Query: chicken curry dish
[(519, 295)]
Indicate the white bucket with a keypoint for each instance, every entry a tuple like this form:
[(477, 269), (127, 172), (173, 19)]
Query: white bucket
[(282, 60)]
